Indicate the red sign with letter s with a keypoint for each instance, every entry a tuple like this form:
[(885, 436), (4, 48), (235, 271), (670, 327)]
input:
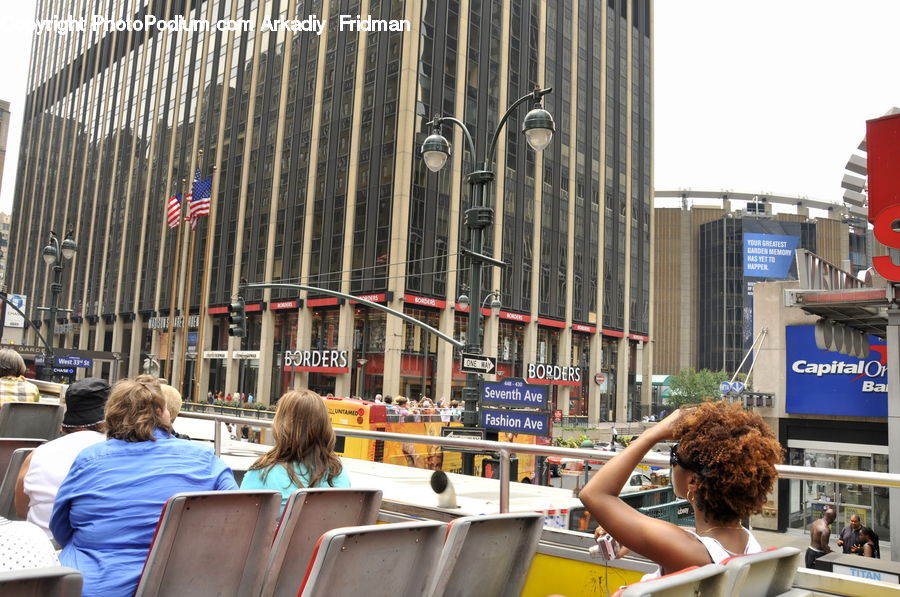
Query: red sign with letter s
[(883, 168)]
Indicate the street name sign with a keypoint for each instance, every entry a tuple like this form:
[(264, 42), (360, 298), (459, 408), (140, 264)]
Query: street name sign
[(514, 392), (74, 362), (516, 421), (478, 363), (463, 433)]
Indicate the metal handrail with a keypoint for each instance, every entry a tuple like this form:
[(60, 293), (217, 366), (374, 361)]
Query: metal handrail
[(506, 449)]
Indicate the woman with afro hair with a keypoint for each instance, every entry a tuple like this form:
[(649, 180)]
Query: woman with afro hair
[(723, 463)]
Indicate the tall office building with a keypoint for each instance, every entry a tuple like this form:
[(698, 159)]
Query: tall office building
[(4, 133), (709, 255), (4, 218), (312, 142)]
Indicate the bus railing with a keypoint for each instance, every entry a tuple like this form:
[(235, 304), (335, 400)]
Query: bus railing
[(506, 449)]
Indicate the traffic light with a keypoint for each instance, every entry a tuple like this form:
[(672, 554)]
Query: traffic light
[(237, 318)]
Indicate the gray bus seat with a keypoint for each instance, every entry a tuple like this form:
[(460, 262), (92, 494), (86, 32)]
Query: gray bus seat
[(766, 574), (382, 560), (496, 549), (31, 419), (8, 484), (56, 581), (9, 445), (211, 543), (308, 514), (708, 581)]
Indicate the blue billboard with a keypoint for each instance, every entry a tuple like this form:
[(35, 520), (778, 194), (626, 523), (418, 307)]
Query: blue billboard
[(821, 382), (769, 255), (516, 421)]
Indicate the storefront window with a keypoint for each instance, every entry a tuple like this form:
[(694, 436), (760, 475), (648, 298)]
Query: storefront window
[(581, 358), (325, 329), (285, 339), (416, 339), (375, 333), (461, 326), (510, 343), (609, 356), (808, 499)]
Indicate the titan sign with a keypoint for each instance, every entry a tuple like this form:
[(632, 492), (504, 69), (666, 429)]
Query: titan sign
[(820, 382)]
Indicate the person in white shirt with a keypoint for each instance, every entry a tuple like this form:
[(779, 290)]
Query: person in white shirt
[(23, 546), (47, 466), (723, 464)]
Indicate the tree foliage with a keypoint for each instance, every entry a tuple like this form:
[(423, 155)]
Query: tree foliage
[(690, 387)]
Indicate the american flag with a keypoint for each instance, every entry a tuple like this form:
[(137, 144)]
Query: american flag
[(201, 191), (173, 210)]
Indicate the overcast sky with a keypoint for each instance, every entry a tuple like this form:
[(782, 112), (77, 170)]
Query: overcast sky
[(764, 96)]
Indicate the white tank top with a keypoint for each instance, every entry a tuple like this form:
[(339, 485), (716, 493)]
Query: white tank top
[(50, 463), (717, 552)]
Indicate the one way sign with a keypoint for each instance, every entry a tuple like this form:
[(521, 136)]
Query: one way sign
[(478, 363)]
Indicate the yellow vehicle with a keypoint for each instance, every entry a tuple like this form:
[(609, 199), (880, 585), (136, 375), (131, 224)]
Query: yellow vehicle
[(351, 413)]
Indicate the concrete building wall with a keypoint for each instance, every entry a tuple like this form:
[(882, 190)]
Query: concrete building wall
[(676, 275)]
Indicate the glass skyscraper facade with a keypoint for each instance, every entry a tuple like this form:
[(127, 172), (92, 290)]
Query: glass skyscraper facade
[(312, 141)]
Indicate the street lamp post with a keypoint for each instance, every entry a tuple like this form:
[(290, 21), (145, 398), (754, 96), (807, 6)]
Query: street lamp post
[(56, 254), (538, 127), (360, 376)]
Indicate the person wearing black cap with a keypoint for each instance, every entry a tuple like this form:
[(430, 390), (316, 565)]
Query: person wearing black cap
[(44, 469)]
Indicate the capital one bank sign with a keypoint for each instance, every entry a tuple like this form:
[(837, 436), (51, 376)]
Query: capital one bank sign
[(821, 382)]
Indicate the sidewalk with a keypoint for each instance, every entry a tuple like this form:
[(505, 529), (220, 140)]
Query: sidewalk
[(775, 539)]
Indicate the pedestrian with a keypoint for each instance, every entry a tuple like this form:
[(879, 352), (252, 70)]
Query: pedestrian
[(13, 385), (819, 533), (250, 399), (869, 541), (848, 539), (227, 397)]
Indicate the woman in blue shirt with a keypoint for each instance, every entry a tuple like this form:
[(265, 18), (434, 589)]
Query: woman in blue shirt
[(106, 511), (303, 455)]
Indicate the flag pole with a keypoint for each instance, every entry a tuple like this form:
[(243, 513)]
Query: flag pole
[(169, 334), (187, 292), (204, 286)]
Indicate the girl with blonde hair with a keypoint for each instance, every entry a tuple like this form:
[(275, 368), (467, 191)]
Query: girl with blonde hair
[(303, 455)]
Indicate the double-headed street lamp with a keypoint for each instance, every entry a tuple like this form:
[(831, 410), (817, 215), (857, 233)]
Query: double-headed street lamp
[(538, 128), (56, 254)]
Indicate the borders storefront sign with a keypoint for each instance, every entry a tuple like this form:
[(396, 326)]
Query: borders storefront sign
[(317, 361), (557, 375), (820, 382)]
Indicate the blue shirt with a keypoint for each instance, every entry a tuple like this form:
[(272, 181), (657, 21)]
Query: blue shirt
[(106, 511), (277, 478)]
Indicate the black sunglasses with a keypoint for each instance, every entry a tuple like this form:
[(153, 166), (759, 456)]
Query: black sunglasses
[(675, 460)]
